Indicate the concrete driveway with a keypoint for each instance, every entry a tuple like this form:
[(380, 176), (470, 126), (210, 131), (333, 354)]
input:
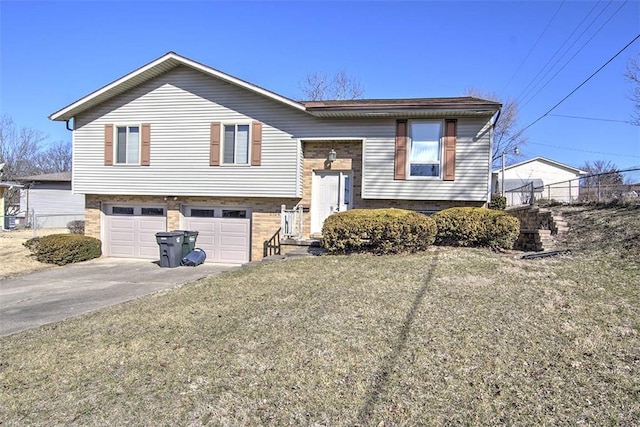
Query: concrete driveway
[(58, 293)]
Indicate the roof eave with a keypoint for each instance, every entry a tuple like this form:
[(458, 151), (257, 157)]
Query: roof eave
[(172, 60), (399, 112), (544, 159)]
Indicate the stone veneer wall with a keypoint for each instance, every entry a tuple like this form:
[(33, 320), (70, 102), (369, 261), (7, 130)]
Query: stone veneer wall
[(265, 220), (535, 228), (531, 217)]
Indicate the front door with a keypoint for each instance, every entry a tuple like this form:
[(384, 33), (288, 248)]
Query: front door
[(330, 193)]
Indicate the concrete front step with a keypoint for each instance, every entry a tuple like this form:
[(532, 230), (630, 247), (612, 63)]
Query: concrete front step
[(301, 242), (293, 248)]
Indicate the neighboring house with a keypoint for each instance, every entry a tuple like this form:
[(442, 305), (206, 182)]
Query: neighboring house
[(179, 145), (47, 201), (7, 222), (551, 180)]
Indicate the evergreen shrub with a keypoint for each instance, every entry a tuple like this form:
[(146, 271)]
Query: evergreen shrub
[(379, 231), (476, 227), (62, 249)]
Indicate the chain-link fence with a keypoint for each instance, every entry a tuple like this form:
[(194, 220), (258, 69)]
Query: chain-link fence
[(607, 187), (35, 220)]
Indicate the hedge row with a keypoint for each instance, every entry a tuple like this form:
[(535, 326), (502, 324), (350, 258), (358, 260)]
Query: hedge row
[(389, 231), (380, 231), (476, 227), (61, 249)]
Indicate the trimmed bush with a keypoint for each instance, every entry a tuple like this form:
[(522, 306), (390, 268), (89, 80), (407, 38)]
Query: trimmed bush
[(476, 227), (61, 249), (32, 244), (379, 231), (76, 227), (498, 202)]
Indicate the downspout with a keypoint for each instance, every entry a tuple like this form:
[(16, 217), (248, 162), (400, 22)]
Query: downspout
[(67, 124), (26, 211), (494, 119)]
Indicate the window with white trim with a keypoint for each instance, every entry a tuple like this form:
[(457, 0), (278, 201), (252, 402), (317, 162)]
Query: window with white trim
[(128, 145), (425, 138), (236, 144)]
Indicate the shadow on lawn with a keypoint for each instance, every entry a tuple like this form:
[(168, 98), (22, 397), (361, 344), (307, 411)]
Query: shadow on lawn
[(381, 377)]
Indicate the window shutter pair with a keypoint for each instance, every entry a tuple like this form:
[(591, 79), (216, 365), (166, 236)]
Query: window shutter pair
[(145, 145), (448, 161), (256, 144)]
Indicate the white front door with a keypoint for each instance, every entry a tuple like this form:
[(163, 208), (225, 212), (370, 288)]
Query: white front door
[(330, 193)]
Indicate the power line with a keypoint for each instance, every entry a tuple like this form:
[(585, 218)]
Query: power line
[(575, 90), (584, 151), (575, 54), (591, 118), (534, 45), (535, 78)]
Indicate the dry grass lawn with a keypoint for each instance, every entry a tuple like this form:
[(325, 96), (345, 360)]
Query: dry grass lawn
[(16, 259), (449, 336)]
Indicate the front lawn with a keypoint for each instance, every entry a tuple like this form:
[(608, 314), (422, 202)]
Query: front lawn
[(448, 336), (16, 258)]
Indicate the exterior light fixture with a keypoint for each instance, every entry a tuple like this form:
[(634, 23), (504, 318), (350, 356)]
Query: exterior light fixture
[(332, 156)]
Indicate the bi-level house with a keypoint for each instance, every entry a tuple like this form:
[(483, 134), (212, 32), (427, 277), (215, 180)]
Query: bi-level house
[(176, 144)]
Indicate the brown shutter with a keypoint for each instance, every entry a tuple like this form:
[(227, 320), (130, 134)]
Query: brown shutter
[(401, 150), (108, 145), (449, 166), (256, 144), (145, 159), (214, 145)]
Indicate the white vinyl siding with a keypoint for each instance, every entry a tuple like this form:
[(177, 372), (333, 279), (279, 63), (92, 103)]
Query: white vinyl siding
[(472, 167), (181, 105), (549, 173), (54, 204)]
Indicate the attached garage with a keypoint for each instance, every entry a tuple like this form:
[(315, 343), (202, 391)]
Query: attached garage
[(130, 231), (223, 233)]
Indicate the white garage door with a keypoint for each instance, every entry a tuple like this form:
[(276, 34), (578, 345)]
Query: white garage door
[(130, 231), (224, 234)]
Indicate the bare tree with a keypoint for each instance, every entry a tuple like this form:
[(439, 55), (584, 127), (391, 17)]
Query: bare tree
[(507, 136), (24, 152), (603, 171), (56, 158), (603, 181), (19, 149), (319, 86), (633, 75)]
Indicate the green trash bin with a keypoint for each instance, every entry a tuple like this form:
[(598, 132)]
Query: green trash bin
[(189, 241)]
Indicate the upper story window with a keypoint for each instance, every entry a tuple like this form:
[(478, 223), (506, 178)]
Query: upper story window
[(128, 145), (236, 144), (426, 148)]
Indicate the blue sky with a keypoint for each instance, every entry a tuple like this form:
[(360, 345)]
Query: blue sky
[(53, 53)]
